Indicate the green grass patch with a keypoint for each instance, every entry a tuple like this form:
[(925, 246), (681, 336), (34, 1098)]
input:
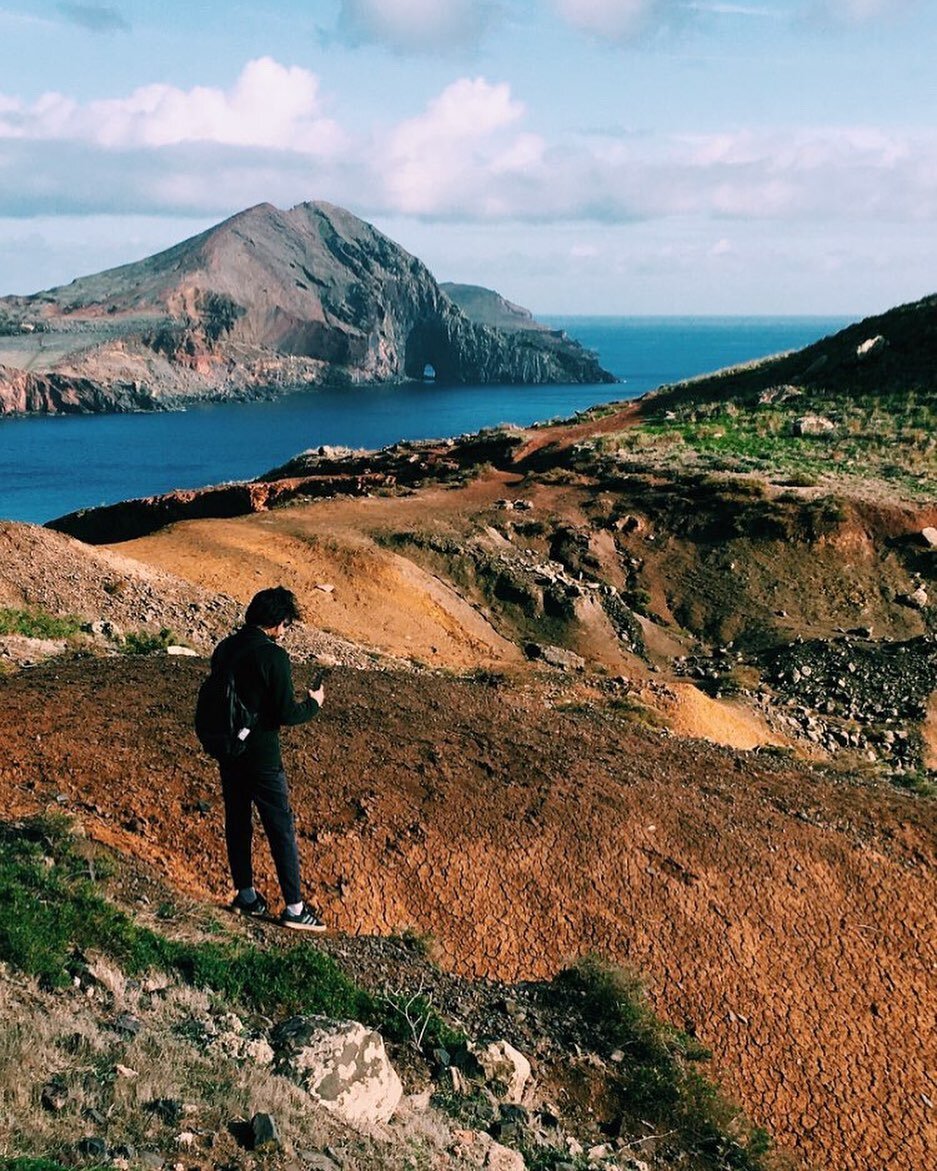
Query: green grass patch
[(658, 1082), (35, 623), (144, 642), (24, 1163), (892, 438), (55, 912), (921, 782)]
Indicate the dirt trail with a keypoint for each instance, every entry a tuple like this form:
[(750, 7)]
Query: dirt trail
[(371, 594), (786, 916), (564, 436)]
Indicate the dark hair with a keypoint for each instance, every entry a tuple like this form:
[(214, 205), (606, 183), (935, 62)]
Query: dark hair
[(271, 607)]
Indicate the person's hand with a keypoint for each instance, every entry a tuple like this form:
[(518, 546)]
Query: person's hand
[(318, 695)]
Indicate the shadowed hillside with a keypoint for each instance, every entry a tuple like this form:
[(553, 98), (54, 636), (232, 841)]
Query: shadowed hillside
[(890, 356)]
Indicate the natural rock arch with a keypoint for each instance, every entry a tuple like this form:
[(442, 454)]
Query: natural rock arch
[(429, 345)]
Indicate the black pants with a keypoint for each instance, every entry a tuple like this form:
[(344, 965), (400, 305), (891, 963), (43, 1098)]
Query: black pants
[(244, 786)]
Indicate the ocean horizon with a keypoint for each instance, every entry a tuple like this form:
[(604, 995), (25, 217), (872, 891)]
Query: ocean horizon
[(57, 464)]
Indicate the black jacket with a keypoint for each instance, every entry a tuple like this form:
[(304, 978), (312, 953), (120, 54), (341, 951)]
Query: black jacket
[(264, 684)]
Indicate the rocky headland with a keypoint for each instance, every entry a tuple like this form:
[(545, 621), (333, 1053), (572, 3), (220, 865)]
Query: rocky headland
[(265, 302)]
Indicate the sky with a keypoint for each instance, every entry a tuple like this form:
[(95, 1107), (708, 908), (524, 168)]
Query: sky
[(580, 156)]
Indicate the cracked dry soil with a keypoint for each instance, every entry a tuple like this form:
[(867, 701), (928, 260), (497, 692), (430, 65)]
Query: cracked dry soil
[(784, 914)]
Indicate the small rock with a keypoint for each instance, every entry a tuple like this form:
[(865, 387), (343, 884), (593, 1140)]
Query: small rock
[(325, 587), (168, 1110), (54, 1096), (92, 1148), (105, 629), (501, 1158), (812, 425), (258, 1051), (317, 1161), (264, 1133), (555, 656), (128, 1024), (185, 651), (930, 536), (870, 347), (502, 1063)]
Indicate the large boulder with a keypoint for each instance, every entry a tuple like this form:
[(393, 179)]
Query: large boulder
[(342, 1064)]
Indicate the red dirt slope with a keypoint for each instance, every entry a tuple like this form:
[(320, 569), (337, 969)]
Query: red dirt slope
[(785, 915)]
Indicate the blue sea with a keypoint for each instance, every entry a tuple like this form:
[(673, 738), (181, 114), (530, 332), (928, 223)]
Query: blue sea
[(50, 466)]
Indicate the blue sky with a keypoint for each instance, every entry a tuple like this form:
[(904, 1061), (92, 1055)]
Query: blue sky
[(581, 156)]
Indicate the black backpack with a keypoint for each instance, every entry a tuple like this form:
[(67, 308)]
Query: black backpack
[(223, 722)]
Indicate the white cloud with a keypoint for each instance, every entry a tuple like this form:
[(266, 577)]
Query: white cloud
[(415, 26), (270, 105), (619, 20), (444, 160), (858, 11), (12, 17), (470, 156)]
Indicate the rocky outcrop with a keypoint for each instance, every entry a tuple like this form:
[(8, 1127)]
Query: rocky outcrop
[(24, 393), (266, 301), (129, 519), (342, 1064), (323, 471)]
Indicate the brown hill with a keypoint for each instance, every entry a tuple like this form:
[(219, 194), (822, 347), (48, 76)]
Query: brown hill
[(489, 308), (267, 300)]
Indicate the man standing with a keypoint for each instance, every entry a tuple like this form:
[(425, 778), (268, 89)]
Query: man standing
[(264, 684)]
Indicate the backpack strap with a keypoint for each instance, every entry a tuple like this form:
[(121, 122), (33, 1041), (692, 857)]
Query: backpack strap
[(228, 661)]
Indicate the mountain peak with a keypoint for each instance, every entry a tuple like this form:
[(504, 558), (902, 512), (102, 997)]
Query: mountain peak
[(266, 299)]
